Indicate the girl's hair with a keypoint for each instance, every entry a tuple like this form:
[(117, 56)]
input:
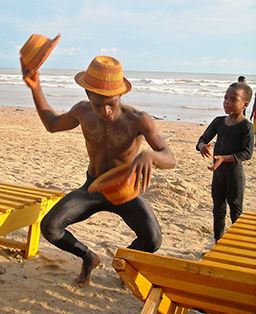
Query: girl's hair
[(245, 87)]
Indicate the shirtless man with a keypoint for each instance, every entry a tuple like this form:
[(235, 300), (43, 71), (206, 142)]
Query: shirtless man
[(113, 133)]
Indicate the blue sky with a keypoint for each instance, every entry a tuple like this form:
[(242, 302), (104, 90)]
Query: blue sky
[(166, 35)]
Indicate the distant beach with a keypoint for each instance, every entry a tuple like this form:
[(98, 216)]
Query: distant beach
[(188, 97)]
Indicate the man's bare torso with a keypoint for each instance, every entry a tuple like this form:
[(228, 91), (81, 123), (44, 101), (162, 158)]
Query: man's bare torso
[(109, 143)]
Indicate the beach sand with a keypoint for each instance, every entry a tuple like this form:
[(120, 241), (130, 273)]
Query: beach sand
[(181, 200)]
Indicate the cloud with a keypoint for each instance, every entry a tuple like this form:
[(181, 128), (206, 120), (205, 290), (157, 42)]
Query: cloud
[(69, 51), (113, 50)]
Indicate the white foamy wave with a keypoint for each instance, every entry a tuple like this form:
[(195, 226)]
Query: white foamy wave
[(192, 107), (184, 84), (179, 91)]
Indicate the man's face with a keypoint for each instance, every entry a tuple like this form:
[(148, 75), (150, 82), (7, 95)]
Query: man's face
[(107, 107), (234, 101)]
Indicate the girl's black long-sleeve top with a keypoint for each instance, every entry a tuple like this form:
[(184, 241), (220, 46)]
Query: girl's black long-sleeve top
[(236, 140)]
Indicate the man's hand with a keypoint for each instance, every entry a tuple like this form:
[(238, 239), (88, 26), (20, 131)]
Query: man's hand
[(205, 150), (142, 165), (31, 81)]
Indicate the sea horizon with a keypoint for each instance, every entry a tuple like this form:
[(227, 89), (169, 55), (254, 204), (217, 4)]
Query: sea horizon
[(174, 96)]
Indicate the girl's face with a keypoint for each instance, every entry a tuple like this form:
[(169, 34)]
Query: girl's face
[(234, 101)]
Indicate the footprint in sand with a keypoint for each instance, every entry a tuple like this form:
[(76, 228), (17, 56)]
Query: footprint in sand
[(106, 245), (2, 270), (52, 267)]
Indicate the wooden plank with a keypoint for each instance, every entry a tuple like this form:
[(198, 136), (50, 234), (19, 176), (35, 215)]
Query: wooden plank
[(231, 259), (25, 201), (210, 306), (242, 232), (35, 196), (137, 283), (195, 287), (238, 237), (153, 301), (236, 252), (233, 268), (169, 266), (237, 244), (20, 187), (12, 204), (244, 226), (5, 209), (12, 244), (251, 222)]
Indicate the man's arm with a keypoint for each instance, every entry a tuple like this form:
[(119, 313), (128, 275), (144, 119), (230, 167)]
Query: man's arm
[(160, 155), (52, 121)]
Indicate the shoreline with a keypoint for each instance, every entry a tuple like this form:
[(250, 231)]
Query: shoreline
[(180, 198)]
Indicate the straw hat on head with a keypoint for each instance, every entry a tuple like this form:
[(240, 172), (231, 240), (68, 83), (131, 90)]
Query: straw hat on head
[(35, 51), (117, 185), (104, 76)]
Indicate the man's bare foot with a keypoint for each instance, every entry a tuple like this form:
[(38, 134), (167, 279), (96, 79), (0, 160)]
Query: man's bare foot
[(90, 261)]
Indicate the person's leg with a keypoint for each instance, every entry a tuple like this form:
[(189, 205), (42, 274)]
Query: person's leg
[(74, 207), (235, 191), (140, 217), (219, 203)]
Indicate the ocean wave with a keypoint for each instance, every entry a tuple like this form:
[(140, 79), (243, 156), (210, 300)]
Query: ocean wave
[(174, 84), (192, 107)]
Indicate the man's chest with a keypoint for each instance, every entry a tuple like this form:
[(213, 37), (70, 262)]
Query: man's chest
[(111, 137)]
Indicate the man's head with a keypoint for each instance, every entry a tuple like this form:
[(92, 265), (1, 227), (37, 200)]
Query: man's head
[(237, 98), (241, 79), (107, 107), (104, 76)]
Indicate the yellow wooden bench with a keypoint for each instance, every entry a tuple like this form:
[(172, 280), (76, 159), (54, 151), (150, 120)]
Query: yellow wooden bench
[(22, 206), (224, 281)]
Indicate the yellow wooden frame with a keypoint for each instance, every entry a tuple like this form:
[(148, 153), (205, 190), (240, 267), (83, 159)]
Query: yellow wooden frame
[(24, 206), (224, 281)]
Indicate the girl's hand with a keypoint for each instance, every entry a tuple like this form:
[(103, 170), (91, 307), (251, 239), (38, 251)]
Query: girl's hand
[(218, 161), (205, 150)]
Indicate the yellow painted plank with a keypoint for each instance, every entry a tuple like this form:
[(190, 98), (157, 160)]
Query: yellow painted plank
[(5, 209), (29, 192), (243, 232), (238, 237), (210, 306), (247, 221), (237, 244), (169, 266), (12, 244), (245, 226), (152, 301), (164, 305), (12, 204), (248, 215), (231, 259), (29, 188), (237, 252), (137, 283), (235, 269), (28, 195), (25, 201)]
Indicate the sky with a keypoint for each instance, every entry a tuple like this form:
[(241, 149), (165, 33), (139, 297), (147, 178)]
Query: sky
[(201, 36)]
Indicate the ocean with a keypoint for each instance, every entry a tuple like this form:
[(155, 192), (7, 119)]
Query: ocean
[(188, 97)]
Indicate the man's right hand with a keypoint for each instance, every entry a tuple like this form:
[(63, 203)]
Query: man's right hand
[(31, 81)]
